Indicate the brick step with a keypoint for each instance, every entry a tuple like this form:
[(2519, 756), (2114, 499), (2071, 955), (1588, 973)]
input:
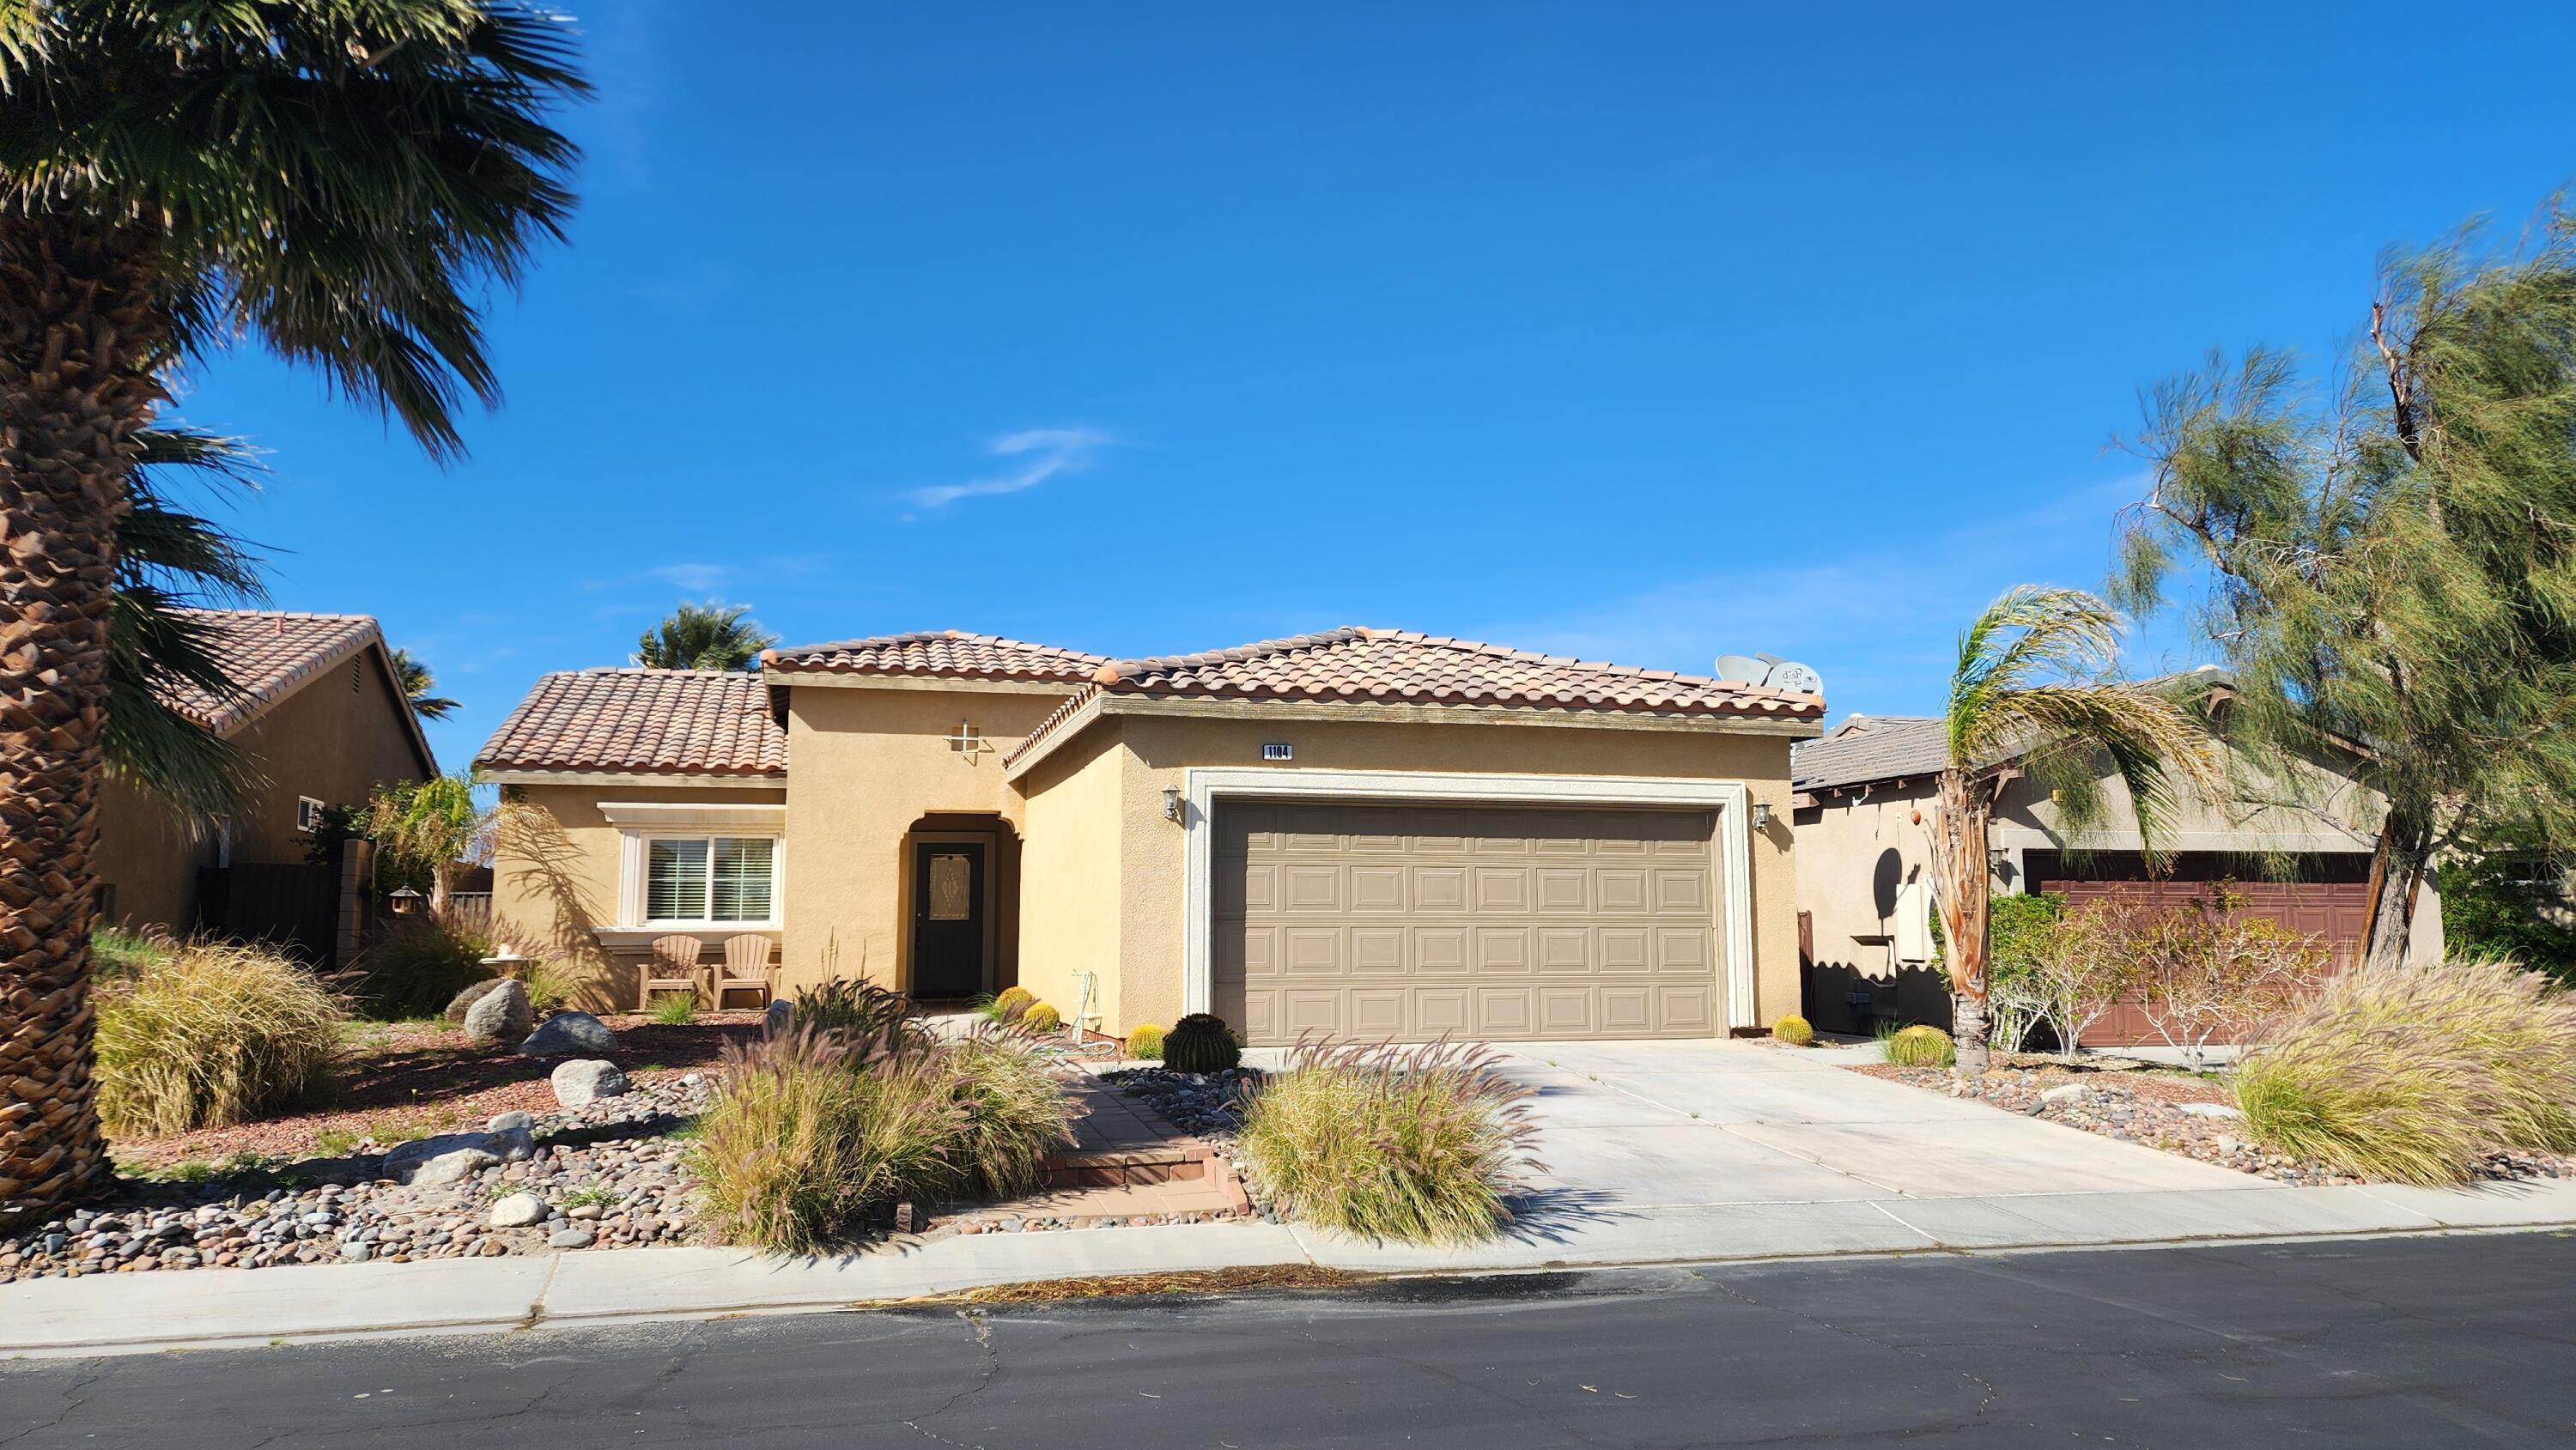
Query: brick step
[(1180, 1160)]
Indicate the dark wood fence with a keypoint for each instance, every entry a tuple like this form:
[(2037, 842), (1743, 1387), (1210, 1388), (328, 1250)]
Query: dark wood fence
[(293, 907)]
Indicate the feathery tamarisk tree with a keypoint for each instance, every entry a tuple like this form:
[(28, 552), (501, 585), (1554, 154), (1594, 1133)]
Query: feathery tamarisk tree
[(334, 179), (2390, 560)]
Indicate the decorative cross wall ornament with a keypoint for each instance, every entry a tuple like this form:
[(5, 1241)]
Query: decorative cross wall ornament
[(967, 742)]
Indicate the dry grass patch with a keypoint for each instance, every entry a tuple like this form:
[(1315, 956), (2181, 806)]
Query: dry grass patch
[(2416, 1075), (1424, 1144), (210, 1034)]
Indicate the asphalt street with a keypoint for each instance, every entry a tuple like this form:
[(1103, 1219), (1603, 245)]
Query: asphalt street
[(2447, 1342)]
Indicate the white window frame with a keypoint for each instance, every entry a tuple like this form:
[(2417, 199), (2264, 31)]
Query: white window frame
[(642, 823)]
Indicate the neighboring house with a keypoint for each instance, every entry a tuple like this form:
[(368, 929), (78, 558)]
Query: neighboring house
[(323, 722), (1363, 833), (1865, 797)]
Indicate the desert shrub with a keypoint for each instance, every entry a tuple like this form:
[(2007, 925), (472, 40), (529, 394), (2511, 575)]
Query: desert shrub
[(675, 1009), (419, 963), (211, 1034), (871, 1017), (1921, 1046), (1014, 1000), (2416, 1074), (1201, 1042), (1424, 1144), (1145, 1043), (800, 1142), (2509, 907), (1039, 1017), (1793, 1030), (120, 951), (1015, 1113), (2209, 972)]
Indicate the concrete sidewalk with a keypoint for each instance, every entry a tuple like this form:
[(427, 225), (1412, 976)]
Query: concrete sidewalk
[(137, 1313)]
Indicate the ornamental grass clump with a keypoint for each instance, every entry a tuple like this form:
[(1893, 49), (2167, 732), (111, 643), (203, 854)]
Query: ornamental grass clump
[(870, 1017), (1015, 1114), (1425, 1144), (419, 964), (802, 1140), (2417, 1074), (208, 1034)]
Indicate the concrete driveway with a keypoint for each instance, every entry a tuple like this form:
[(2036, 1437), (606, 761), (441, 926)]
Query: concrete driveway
[(1639, 1125)]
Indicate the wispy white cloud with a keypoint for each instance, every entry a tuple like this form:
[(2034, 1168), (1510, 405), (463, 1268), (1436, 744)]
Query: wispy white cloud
[(1042, 453), (696, 578)]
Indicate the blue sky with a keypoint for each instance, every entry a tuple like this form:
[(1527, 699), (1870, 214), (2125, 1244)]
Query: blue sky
[(1642, 332)]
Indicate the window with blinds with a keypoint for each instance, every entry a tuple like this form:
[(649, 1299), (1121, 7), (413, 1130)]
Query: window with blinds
[(710, 878)]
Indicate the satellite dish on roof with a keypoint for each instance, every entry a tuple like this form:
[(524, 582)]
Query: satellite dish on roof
[(1741, 668), (1769, 669)]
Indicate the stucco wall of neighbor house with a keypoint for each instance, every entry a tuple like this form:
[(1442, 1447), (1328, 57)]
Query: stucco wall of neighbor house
[(1855, 856), (1072, 904), (555, 881), (337, 737), (868, 762), (148, 857), (1151, 917)]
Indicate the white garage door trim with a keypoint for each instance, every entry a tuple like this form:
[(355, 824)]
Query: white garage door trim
[(1205, 786)]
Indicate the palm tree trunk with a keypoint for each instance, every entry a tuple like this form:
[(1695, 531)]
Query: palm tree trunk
[(79, 333), (1960, 877)]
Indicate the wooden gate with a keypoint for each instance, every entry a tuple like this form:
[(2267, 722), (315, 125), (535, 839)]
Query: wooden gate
[(293, 907)]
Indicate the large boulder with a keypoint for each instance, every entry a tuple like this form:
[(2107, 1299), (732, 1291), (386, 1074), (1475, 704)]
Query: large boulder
[(500, 1014), (448, 1157), (585, 1079), (475, 992), (570, 1034), (780, 1016)]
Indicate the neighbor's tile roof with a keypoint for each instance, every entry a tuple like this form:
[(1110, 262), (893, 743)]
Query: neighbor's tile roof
[(1871, 747), (673, 722), (1389, 666), (944, 652), (267, 652)]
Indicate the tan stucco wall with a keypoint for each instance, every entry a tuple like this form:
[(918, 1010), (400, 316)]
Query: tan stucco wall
[(554, 884), (336, 738), (1121, 765), (865, 765), (1854, 856), (1071, 908)]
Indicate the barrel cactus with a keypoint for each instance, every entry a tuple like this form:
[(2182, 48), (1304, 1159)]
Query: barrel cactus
[(1145, 1043), (1200, 1042), (1041, 1018), (1793, 1030)]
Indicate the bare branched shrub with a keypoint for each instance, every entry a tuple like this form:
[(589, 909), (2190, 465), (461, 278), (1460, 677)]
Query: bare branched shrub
[(1424, 1144), (207, 1034), (2417, 1074), (2211, 972)]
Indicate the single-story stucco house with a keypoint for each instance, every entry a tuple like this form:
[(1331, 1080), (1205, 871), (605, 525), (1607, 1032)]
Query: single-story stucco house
[(1864, 802), (1364, 833), (321, 721)]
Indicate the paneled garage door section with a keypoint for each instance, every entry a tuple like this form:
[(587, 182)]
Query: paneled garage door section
[(1505, 924)]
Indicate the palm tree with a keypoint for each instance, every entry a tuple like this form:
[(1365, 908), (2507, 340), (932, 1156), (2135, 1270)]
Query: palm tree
[(338, 182), (167, 559), (2031, 696), (707, 636), (417, 682)]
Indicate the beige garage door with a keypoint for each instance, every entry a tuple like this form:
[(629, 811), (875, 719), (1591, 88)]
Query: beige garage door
[(1499, 923)]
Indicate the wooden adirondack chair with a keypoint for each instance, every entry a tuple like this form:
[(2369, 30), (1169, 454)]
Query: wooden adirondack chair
[(745, 968), (673, 966)]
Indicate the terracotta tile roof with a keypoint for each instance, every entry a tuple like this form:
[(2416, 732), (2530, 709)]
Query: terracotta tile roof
[(672, 722), (268, 652), (944, 652), (1388, 666), (1871, 747)]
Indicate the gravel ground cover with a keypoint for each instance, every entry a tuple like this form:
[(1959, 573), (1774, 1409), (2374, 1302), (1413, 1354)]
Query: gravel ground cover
[(1208, 1104), (407, 1079), (2175, 1111), (605, 1174)]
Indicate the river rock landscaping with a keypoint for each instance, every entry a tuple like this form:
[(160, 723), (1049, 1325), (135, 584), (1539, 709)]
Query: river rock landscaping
[(2175, 1111), (604, 1174)]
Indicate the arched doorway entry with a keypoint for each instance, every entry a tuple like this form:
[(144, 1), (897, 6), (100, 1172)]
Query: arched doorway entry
[(961, 883)]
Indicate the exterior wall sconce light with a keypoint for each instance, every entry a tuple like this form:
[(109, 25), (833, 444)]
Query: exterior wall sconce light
[(1173, 810), (1761, 815)]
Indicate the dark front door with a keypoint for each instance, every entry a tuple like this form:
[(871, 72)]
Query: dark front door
[(947, 918)]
